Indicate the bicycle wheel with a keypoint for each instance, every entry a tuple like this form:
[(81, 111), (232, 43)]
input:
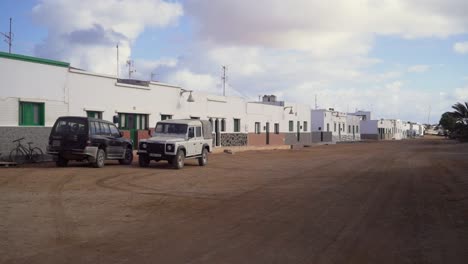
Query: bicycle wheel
[(37, 155), (16, 155)]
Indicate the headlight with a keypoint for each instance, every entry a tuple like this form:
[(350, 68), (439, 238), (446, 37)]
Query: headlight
[(169, 147), (143, 145)]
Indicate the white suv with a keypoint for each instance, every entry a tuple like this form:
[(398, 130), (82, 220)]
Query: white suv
[(177, 140)]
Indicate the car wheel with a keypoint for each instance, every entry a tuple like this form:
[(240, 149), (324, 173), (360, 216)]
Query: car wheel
[(179, 159), (203, 160), (100, 158), (61, 162), (128, 158), (143, 160)]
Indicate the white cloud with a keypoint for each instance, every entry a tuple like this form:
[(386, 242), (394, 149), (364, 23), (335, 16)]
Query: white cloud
[(85, 32), (419, 68), (461, 47), (193, 81)]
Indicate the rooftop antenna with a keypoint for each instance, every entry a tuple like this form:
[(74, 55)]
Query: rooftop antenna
[(224, 78), (8, 37), (429, 115), (117, 60), (131, 68), (316, 102)]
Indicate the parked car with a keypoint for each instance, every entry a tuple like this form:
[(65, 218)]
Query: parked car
[(177, 140), (88, 139)]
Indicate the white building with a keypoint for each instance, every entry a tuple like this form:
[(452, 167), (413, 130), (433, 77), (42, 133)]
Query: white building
[(343, 126), (35, 92)]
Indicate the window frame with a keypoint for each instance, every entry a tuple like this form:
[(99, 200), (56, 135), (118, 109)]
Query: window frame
[(276, 128), (291, 126), (237, 125), (257, 128), (24, 118)]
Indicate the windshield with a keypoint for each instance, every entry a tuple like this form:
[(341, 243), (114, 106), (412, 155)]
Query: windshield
[(177, 129), (70, 126)]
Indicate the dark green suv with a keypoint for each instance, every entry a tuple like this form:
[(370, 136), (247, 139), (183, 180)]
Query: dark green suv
[(88, 139)]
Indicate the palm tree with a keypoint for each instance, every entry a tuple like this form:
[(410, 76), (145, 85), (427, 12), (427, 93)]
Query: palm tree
[(461, 112)]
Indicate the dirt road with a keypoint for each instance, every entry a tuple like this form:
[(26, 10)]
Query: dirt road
[(387, 202)]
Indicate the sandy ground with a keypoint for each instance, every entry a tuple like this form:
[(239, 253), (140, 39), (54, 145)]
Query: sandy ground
[(386, 202)]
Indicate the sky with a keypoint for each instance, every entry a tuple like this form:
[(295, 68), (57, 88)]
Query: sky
[(404, 59)]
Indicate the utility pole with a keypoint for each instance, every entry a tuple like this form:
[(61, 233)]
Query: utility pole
[(224, 80), (8, 37), (131, 66)]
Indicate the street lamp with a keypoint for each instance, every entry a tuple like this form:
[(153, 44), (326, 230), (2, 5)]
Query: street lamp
[(290, 111), (190, 98)]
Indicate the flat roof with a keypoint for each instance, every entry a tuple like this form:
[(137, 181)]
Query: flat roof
[(33, 59)]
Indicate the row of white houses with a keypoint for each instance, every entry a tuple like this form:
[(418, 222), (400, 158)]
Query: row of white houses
[(35, 92)]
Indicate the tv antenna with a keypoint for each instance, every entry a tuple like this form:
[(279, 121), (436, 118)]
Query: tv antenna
[(224, 79), (131, 68), (8, 37)]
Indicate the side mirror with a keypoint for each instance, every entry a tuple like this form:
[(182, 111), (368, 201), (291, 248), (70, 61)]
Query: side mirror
[(149, 133), (116, 119), (121, 133)]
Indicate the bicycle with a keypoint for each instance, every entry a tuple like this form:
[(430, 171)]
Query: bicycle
[(21, 154)]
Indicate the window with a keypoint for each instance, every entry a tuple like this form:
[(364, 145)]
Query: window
[(257, 128), (191, 132), (236, 125), (305, 125), (328, 127), (349, 128), (105, 129), (198, 131), (166, 117), (94, 114), (133, 121), (223, 125), (276, 128), (334, 129), (114, 131), (31, 114), (291, 126)]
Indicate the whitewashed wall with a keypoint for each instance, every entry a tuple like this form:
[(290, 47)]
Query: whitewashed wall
[(32, 82)]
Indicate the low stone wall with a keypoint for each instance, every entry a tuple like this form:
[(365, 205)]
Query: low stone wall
[(305, 139), (38, 135), (370, 136), (260, 139), (318, 137), (233, 139)]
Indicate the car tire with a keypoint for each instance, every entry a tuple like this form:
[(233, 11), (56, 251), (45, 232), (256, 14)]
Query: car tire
[(143, 160), (179, 160), (37, 155), (100, 159), (203, 160), (128, 158), (61, 162)]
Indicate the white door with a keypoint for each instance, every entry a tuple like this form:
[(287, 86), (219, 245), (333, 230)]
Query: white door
[(191, 147)]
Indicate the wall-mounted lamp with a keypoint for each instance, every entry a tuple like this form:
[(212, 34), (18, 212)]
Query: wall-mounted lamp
[(290, 111), (190, 98)]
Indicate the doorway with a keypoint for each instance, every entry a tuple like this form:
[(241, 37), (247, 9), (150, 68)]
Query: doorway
[(267, 131), (217, 133), (298, 131)]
